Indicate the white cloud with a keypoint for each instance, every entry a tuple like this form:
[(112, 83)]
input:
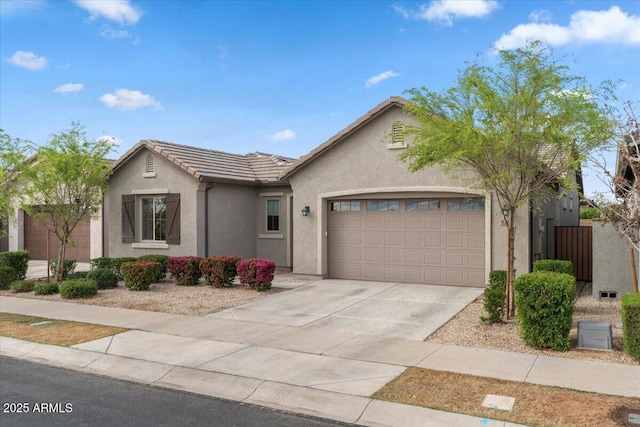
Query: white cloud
[(121, 11), (585, 26), (283, 135), (69, 88), (446, 11), (28, 60), (540, 15), (126, 99), (17, 7), (115, 141), (380, 77), (111, 34)]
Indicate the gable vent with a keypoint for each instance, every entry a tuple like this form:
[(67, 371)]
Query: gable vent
[(397, 137), (150, 167)]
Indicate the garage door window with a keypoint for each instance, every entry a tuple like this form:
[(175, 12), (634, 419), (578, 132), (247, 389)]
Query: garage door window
[(475, 204), (345, 206), (383, 206), (423, 205)]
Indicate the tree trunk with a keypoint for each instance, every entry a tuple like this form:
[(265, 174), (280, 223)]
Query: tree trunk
[(634, 273), (60, 264), (509, 311)]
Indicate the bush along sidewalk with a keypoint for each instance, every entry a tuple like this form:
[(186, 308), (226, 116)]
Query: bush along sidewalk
[(555, 265), (495, 296), (631, 324), (544, 302), (138, 275), (18, 260), (185, 270), (219, 271), (257, 273), (78, 288)]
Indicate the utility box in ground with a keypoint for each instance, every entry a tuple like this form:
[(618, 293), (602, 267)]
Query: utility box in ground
[(595, 335)]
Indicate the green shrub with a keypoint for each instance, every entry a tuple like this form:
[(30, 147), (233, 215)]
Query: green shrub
[(257, 273), (139, 275), (68, 265), (7, 275), (631, 324), (544, 301), (46, 289), (104, 278), (22, 286), (185, 269), (555, 265), (77, 275), (590, 213), (162, 260), (101, 262), (219, 271), (78, 288), (495, 296), (18, 260), (116, 264)]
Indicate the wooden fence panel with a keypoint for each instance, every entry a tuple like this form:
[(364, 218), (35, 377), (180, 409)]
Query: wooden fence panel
[(575, 244)]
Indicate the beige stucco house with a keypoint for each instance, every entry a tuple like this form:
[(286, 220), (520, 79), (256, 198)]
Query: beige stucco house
[(348, 209)]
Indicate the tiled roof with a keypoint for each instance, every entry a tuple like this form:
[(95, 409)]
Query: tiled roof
[(211, 165)]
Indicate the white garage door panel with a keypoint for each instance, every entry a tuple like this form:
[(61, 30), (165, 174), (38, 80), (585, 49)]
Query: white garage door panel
[(434, 247)]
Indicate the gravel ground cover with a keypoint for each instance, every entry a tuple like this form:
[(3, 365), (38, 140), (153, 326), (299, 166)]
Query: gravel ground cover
[(466, 329)]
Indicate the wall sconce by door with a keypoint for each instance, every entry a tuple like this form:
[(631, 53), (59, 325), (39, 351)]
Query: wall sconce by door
[(305, 211)]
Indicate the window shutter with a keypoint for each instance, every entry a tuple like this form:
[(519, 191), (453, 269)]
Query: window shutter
[(128, 218), (173, 219)]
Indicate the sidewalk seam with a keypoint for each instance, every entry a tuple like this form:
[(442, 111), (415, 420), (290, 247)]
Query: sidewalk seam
[(530, 369)]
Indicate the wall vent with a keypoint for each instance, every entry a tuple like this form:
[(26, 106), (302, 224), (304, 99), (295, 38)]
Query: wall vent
[(608, 294)]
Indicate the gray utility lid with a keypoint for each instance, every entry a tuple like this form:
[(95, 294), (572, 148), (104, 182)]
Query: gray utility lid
[(594, 335)]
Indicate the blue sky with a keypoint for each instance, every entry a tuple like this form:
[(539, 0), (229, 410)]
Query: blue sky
[(277, 77)]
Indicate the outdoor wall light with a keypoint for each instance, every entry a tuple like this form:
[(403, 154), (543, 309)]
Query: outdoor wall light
[(505, 210), (305, 211)]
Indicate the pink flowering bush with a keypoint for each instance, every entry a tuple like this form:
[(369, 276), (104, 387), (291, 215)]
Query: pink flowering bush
[(256, 272), (185, 269), (138, 275), (219, 271)]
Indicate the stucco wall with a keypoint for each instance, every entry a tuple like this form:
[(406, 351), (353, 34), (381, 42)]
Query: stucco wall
[(274, 245), (362, 164), (611, 265), (232, 226), (129, 179)]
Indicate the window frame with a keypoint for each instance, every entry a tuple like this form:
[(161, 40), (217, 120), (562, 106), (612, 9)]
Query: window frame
[(270, 227), (154, 199)]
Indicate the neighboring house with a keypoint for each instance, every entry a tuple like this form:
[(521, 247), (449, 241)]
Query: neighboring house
[(349, 209), (179, 200)]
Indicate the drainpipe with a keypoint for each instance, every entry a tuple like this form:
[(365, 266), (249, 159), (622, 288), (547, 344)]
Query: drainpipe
[(206, 218)]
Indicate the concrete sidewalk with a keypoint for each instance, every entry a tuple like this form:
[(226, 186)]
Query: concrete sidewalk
[(318, 372)]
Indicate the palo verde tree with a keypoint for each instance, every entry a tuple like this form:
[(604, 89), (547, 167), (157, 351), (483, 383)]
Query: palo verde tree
[(64, 184), (522, 127), (621, 207), (13, 152)]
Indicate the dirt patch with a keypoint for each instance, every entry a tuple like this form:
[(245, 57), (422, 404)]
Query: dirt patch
[(56, 332), (535, 405)]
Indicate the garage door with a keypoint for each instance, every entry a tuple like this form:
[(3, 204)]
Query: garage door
[(35, 241), (433, 241)]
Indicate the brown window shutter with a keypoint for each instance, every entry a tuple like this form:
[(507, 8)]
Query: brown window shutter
[(128, 218), (173, 219)]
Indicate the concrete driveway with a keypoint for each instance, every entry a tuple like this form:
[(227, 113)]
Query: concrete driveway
[(405, 311)]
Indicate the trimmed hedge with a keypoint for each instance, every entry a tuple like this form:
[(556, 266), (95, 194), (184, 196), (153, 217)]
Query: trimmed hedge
[(185, 269), (162, 260), (104, 278), (257, 273), (7, 275), (495, 296), (139, 275), (116, 263), (544, 301), (78, 288), (68, 265), (555, 265), (219, 271), (101, 262), (20, 286), (46, 289), (631, 324), (77, 275), (18, 260)]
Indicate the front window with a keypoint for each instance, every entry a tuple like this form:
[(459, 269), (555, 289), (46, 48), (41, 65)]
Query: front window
[(273, 215), (154, 219)]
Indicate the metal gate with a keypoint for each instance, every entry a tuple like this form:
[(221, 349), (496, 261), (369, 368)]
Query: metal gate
[(575, 244)]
